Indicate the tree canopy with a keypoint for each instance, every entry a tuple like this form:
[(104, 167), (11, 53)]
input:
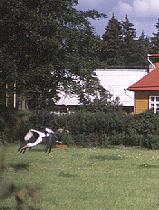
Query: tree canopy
[(155, 39), (112, 42), (129, 44), (121, 48), (47, 46)]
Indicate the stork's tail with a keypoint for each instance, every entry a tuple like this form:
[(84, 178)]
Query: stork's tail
[(59, 142)]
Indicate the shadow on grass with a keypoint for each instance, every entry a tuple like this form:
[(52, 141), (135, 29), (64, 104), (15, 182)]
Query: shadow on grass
[(106, 157), (20, 166), (67, 175), (37, 150), (148, 166), (6, 208), (33, 150), (40, 150)]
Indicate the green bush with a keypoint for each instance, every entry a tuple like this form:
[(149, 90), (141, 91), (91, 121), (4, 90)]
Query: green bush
[(3, 138), (151, 141), (134, 140), (104, 140), (87, 140), (144, 129), (66, 139), (42, 118), (98, 122), (86, 128), (117, 139)]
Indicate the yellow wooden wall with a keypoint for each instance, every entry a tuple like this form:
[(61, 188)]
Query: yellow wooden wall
[(142, 100)]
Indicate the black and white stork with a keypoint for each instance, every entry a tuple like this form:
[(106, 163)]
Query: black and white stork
[(35, 137)]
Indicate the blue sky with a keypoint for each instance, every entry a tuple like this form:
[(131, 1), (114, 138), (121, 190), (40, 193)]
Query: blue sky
[(143, 14)]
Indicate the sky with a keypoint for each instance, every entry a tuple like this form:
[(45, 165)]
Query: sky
[(143, 14)]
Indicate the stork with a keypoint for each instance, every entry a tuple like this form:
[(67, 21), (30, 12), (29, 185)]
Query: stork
[(35, 137)]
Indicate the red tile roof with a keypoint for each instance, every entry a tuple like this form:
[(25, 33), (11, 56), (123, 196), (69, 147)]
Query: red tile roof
[(148, 82)]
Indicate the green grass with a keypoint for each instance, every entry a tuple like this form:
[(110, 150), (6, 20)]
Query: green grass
[(88, 179)]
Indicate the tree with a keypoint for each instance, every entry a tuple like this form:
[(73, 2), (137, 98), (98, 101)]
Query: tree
[(143, 45), (46, 47), (155, 40), (112, 42), (129, 49)]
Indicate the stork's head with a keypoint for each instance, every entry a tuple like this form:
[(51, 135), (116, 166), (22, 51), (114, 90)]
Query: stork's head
[(28, 136)]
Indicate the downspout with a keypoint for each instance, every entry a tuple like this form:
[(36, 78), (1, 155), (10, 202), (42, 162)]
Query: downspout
[(128, 95), (132, 99), (150, 61)]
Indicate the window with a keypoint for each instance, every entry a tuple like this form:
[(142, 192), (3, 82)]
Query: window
[(154, 103)]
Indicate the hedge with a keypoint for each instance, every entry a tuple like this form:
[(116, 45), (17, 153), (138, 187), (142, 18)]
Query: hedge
[(86, 128)]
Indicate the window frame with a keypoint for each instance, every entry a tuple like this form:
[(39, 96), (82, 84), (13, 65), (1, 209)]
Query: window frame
[(154, 104)]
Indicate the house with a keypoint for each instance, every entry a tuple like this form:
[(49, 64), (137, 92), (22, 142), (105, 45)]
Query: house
[(116, 82), (146, 90)]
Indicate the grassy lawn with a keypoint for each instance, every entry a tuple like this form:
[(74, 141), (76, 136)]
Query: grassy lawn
[(88, 179)]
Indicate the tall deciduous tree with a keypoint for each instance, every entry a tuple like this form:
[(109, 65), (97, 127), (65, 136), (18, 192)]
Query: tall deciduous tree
[(46, 47), (112, 42)]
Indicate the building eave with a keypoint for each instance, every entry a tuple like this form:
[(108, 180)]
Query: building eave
[(143, 88)]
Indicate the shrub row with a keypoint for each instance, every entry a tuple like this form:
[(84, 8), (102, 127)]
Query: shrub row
[(86, 128)]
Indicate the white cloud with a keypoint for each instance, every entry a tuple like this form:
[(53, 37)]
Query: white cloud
[(138, 8), (90, 4), (146, 8), (123, 8), (143, 14)]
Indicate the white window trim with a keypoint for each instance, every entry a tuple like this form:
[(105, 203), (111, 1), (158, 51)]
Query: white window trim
[(155, 103)]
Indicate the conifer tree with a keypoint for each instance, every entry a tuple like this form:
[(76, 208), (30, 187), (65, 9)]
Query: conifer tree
[(155, 40), (143, 46), (129, 48), (111, 43)]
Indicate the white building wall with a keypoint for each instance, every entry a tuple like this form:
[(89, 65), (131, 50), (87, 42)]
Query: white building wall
[(116, 81)]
